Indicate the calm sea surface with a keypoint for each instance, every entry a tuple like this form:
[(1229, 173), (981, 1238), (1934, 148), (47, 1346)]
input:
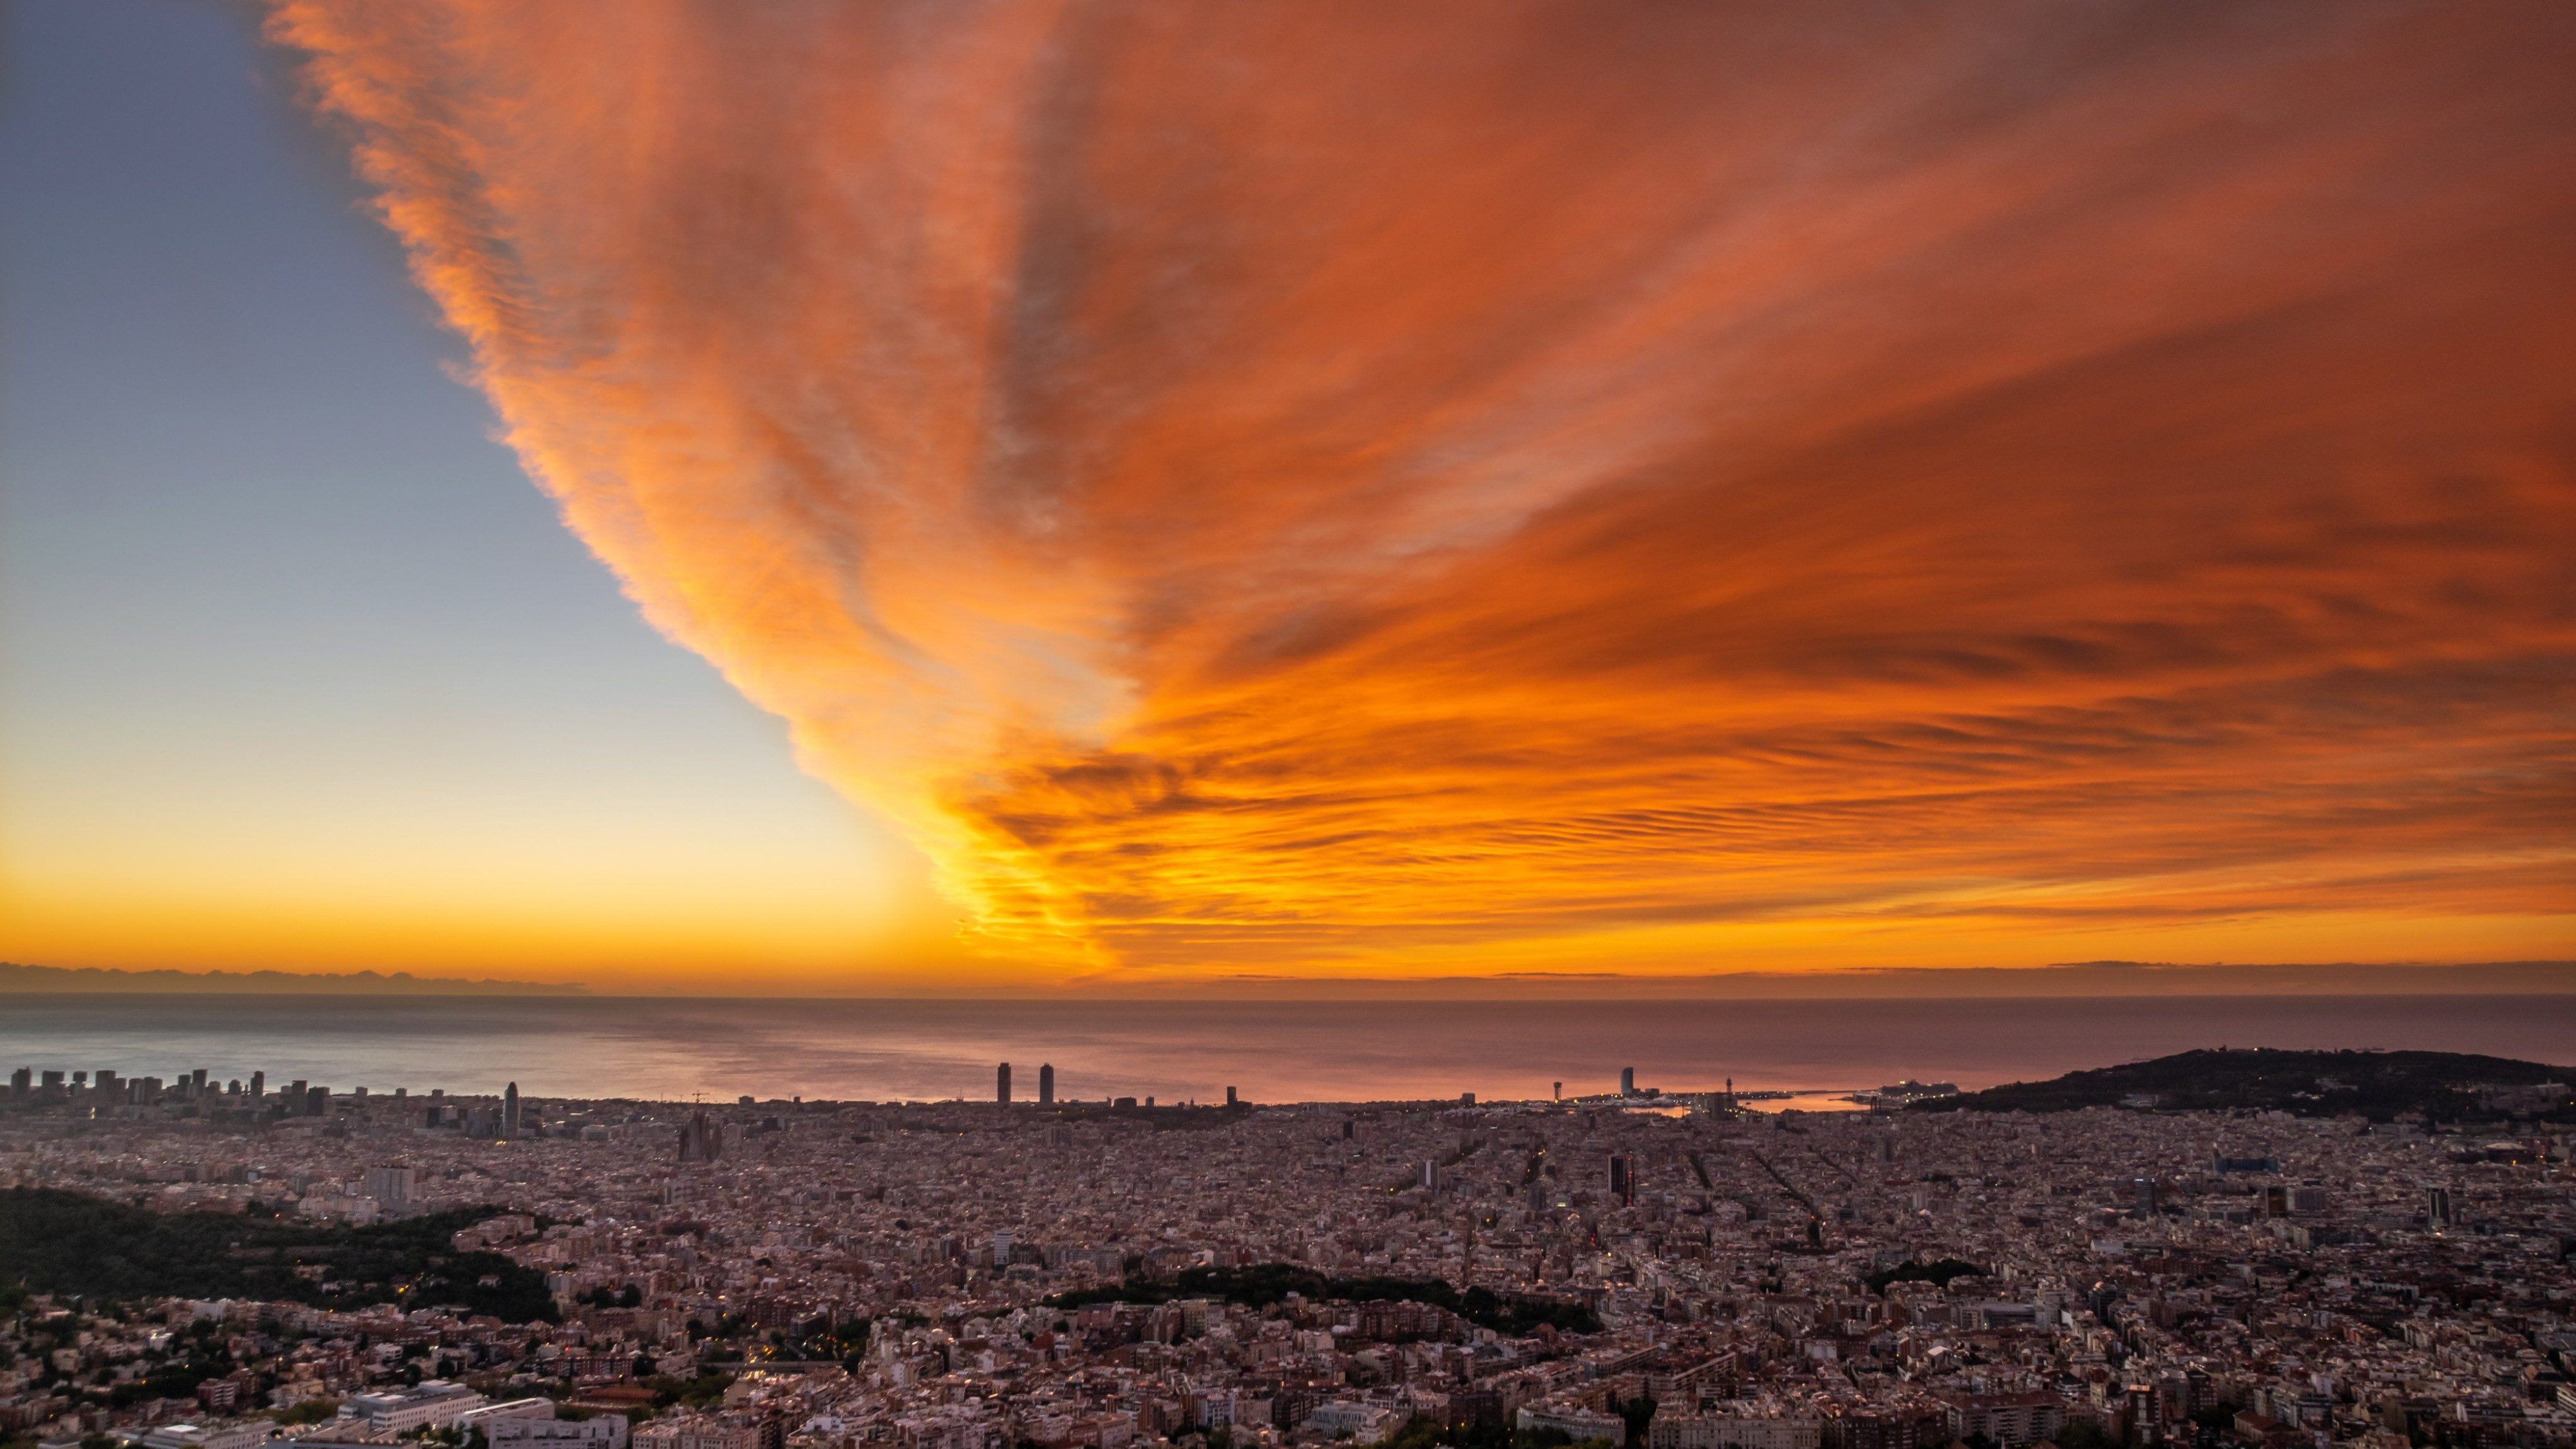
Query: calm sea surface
[(1275, 1052)]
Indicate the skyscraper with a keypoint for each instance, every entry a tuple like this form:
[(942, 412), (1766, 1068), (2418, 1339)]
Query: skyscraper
[(1229, 1096), (1002, 1083), (259, 1086), (510, 1111), (2437, 1208), (1623, 1178), (1627, 1081), (1046, 1084)]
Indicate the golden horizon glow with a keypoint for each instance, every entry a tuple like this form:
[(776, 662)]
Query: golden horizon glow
[(1413, 489)]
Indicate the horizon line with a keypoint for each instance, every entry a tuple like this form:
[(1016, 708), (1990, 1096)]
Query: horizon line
[(2057, 980)]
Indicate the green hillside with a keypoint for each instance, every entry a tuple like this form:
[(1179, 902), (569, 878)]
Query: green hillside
[(1262, 1284), (69, 1243)]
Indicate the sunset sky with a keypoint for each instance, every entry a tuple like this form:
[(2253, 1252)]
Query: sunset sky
[(926, 496)]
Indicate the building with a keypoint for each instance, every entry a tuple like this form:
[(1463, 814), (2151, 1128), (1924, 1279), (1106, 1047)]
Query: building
[(1046, 1084), (730, 1429), (432, 1404), (1623, 1177), (1572, 1420), (1747, 1424), (510, 1111), (512, 1409), (2024, 1418), (701, 1139), (1627, 1081), (1002, 1083), (1903, 1424), (391, 1186), (1362, 1423), (607, 1431), (545, 1431), (241, 1434)]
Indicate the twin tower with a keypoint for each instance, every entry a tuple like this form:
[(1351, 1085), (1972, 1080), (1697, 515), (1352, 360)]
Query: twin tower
[(1046, 1084), (1046, 1089)]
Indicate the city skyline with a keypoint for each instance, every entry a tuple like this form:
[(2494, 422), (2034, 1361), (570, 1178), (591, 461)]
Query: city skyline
[(2259, 1252)]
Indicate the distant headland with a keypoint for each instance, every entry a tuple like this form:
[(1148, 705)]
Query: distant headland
[(16, 979), (2379, 1085)]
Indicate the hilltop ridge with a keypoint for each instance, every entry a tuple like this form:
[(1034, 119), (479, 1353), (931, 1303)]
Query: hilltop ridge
[(2380, 1085)]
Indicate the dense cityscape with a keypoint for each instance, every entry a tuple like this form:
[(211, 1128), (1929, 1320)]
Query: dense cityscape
[(1628, 1268)]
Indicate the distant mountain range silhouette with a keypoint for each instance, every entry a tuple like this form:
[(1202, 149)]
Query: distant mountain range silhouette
[(51, 980), (2058, 979)]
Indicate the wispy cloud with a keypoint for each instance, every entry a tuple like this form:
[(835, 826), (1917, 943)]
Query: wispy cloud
[(1289, 487)]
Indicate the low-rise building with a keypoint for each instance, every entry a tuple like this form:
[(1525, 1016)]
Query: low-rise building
[(432, 1404), (1740, 1424), (1575, 1421)]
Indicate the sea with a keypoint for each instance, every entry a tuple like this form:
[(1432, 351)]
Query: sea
[(676, 1049)]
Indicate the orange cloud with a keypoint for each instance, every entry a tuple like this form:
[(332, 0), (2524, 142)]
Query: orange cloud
[(1323, 486)]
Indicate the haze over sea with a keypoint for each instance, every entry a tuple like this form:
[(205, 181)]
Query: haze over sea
[(674, 1049)]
